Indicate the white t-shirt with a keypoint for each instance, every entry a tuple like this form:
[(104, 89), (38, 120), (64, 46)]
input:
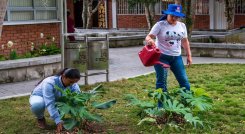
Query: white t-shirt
[(168, 37)]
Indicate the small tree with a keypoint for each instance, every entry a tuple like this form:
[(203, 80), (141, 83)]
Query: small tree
[(229, 13), (149, 10), (88, 12)]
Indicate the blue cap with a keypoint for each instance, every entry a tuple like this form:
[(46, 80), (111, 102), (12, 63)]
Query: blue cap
[(175, 10)]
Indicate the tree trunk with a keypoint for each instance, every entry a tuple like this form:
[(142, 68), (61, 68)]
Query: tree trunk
[(84, 13), (190, 14), (150, 14), (229, 13), (88, 12)]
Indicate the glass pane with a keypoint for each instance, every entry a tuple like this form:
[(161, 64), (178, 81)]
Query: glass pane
[(6, 16), (44, 3), (20, 3), (46, 15), (21, 15)]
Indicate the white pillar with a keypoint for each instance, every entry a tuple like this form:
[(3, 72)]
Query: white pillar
[(114, 14), (62, 15), (211, 14)]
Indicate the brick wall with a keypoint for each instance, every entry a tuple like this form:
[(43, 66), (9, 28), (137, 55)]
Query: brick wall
[(202, 22), (131, 21), (23, 35), (239, 21)]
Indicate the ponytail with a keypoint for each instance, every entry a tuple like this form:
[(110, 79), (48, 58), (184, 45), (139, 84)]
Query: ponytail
[(71, 73), (61, 72), (163, 17)]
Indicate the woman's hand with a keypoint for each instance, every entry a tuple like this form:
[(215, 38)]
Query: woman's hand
[(150, 42), (149, 39), (189, 60), (59, 127)]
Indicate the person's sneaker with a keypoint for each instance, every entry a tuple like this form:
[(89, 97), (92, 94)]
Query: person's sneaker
[(41, 123)]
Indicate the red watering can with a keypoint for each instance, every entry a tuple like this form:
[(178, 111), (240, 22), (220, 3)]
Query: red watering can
[(150, 56)]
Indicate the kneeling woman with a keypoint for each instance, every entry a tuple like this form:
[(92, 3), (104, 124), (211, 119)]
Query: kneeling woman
[(45, 95)]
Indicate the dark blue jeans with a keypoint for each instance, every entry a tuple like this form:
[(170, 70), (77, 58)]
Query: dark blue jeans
[(177, 67)]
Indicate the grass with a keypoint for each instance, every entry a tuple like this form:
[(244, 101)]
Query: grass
[(225, 83)]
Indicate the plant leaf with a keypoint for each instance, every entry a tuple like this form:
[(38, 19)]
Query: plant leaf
[(96, 90), (104, 105), (69, 124), (175, 106), (63, 108), (202, 103), (193, 120), (147, 119), (154, 111), (134, 101)]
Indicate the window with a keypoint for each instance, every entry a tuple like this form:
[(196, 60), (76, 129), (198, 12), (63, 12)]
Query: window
[(240, 7), (123, 8), (28, 10), (139, 9), (202, 7)]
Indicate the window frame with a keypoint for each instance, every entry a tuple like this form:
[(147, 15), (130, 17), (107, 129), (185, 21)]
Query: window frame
[(34, 10), (123, 9), (203, 6), (241, 8)]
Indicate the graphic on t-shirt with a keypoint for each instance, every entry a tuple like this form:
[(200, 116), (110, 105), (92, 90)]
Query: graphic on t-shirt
[(173, 37)]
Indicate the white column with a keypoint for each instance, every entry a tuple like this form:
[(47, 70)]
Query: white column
[(211, 14), (106, 16), (114, 14), (62, 43)]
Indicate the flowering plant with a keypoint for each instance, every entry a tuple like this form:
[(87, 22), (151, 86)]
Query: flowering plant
[(36, 49)]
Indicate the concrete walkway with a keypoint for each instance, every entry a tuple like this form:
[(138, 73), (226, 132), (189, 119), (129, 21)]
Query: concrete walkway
[(124, 63)]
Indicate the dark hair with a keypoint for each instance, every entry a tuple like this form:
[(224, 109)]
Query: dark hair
[(163, 17), (71, 73), (68, 13)]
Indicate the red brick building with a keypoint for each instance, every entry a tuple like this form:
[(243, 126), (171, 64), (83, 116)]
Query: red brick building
[(29, 22), (209, 14)]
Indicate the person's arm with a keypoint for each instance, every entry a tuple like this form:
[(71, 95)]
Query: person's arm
[(186, 45), (75, 88), (152, 35), (149, 39), (49, 99)]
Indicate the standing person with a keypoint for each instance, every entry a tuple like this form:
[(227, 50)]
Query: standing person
[(170, 35), (70, 26), (45, 95)]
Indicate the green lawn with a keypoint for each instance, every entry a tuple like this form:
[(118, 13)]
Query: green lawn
[(224, 82)]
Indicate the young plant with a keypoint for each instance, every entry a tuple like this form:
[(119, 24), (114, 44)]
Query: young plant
[(177, 107), (75, 108)]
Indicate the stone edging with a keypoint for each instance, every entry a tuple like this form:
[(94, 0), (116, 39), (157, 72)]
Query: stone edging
[(11, 64), (29, 69)]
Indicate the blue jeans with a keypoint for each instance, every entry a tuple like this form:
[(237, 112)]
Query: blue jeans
[(176, 66), (37, 106)]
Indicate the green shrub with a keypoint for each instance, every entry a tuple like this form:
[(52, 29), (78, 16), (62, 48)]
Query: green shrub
[(13, 55), (178, 107), (75, 108)]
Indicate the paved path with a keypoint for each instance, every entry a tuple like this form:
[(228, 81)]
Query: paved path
[(124, 63)]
